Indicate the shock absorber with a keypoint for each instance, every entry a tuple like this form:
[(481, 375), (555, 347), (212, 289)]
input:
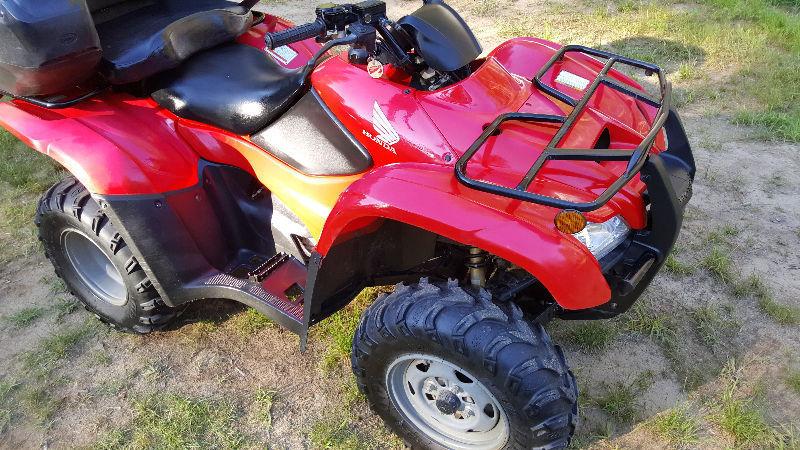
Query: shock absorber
[(477, 262)]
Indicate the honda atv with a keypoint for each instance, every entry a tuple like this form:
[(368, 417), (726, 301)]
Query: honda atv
[(216, 152)]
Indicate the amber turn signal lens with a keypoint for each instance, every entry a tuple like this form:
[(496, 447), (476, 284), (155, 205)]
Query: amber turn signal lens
[(570, 222)]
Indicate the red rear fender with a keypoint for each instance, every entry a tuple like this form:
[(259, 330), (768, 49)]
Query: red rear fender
[(114, 146), (428, 197)]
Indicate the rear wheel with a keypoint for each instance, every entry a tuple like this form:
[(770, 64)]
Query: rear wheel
[(447, 368), (94, 261)]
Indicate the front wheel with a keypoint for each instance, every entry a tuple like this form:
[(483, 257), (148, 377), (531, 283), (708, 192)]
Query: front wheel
[(447, 368)]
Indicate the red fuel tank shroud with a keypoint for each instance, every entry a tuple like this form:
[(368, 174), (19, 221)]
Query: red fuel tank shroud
[(437, 127)]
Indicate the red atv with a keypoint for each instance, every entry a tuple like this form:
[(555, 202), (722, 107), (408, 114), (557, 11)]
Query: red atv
[(217, 152)]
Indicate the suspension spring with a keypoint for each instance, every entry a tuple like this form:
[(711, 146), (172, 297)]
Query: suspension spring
[(477, 262)]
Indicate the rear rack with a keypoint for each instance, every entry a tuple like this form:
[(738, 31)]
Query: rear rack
[(636, 158)]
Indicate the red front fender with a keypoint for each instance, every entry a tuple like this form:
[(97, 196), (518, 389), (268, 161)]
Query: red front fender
[(428, 197)]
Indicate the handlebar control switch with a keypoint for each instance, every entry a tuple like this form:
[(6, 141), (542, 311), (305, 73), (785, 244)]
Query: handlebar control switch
[(335, 17)]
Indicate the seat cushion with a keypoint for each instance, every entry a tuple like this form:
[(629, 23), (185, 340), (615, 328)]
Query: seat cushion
[(142, 38), (234, 87)]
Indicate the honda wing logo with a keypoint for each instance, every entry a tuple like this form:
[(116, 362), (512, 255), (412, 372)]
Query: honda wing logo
[(386, 135)]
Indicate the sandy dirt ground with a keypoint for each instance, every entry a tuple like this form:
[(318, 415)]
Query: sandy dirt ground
[(746, 186)]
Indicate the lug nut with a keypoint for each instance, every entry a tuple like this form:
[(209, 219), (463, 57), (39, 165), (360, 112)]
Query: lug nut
[(430, 386)]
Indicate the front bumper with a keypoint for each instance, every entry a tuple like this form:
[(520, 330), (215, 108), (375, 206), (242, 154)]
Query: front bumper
[(630, 268)]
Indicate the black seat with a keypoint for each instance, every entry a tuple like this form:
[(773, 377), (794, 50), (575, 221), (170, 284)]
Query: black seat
[(235, 87), (143, 37)]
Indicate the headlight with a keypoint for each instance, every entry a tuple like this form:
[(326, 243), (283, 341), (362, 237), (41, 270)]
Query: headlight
[(601, 238)]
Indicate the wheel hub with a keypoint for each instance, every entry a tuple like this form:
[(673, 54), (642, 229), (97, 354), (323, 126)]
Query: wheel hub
[(446, 403), (94, 268)]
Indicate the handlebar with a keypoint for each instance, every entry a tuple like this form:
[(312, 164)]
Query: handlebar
[(295, 34)]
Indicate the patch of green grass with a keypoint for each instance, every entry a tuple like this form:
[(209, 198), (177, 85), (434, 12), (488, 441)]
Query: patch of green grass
[(739, 415), (26, 317), (656, 326), (6, 403), (39, 403), (250, 322), (755, 286), (618, 400), (338, 330), (24, 174), (793, 381), (711, 324), (718, 262), (675, 266), (63, 307), (177, 422), (24, 168), (782, 314), (112, 387), (338, 434), (591, 335), (41, 361), (677, 427), (752, 285), (263, 400)]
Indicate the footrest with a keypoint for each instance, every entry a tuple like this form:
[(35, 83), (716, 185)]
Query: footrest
[(274, 286), (263, 271)]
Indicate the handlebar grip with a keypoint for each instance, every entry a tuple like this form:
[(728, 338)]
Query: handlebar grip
[(295, 34)]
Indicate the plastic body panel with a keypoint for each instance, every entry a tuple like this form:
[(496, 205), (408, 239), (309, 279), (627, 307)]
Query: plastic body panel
[(427, 196), (442, 37)]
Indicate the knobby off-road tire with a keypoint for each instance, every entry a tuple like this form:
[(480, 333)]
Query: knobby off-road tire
[(491, 345), (94, 261)]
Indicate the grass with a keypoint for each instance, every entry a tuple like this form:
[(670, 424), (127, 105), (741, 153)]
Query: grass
[(63, 307), (677, 427), (658, 327), (618, 400), (793, 381), (339, 329), (719, 264), (41, 361), (177, 422), (754, 286), (24, 175), (589, 336), (338, 434), (263, 400), (782, 314), (6, 404), (711, 324), (250, 322), (675, 266), (739, 415), (741, 56), (25, 317), (39, 402)]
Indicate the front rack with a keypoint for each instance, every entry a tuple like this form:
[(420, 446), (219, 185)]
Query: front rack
[(636, 158)]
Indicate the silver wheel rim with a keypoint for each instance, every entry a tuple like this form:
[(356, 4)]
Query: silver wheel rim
[(94, 268), (446, 403)]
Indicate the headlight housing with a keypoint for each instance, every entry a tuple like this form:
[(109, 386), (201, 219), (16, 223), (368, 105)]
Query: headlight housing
[(601, 238)]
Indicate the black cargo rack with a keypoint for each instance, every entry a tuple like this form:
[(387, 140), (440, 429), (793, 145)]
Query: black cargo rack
[(636, 158)]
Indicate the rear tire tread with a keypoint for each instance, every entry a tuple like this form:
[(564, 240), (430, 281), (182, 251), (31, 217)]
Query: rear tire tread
[(70, 198)]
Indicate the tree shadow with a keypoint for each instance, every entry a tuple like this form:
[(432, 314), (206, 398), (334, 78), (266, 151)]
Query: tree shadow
[(668, 54)]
